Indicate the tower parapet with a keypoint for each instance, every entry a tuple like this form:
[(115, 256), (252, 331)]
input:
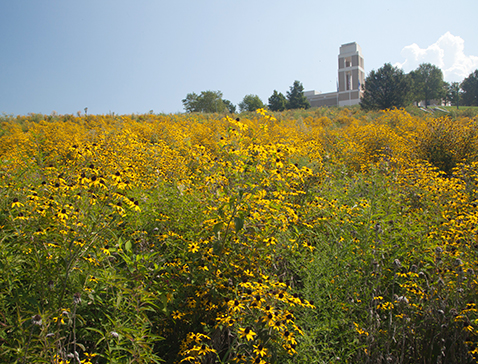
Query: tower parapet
[(351, 74), (351, 78)]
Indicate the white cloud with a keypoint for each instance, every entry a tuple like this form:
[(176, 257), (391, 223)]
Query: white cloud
[(447, 53)]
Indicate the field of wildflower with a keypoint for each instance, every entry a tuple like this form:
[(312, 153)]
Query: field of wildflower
[(318, 236)]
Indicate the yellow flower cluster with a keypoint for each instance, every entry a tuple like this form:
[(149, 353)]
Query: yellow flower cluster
[(202, 230)]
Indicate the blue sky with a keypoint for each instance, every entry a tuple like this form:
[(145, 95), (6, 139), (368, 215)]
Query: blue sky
[(132, 56)]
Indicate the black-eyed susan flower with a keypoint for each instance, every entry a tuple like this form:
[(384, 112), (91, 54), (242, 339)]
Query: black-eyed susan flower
[(260, 350), (62, 214), (193, 247), (235, 305), (16, 203), (259, 360), (289, 337), (246, 333)]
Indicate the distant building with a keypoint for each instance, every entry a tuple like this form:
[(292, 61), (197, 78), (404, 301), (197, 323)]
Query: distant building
[(351, 76), (432, 103)]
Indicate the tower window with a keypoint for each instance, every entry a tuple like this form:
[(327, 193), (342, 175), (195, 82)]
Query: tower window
[(348, 81)]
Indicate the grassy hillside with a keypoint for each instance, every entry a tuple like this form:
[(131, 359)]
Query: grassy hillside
[(310, 236)]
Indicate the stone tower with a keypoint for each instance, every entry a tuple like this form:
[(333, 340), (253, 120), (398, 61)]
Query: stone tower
[(351, 74)]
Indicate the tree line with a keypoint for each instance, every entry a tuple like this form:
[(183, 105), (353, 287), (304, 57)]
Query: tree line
[(390, 87), (384, 88), (212, 101)]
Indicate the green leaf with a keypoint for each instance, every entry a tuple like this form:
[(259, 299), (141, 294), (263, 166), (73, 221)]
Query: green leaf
[(81, 346), (217, 247), (118, 300), (217, 227), (95, 330), (232, 201), (128, 246), (238, 223), (164, 300)]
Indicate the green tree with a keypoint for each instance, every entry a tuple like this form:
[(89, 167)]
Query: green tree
[(296, 98), (453, 93), (386, 88), (427, 83), (277, 102), (207, 101), (448, 93), (191, 102), (250, 103), (470, 89), (230, 106)]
